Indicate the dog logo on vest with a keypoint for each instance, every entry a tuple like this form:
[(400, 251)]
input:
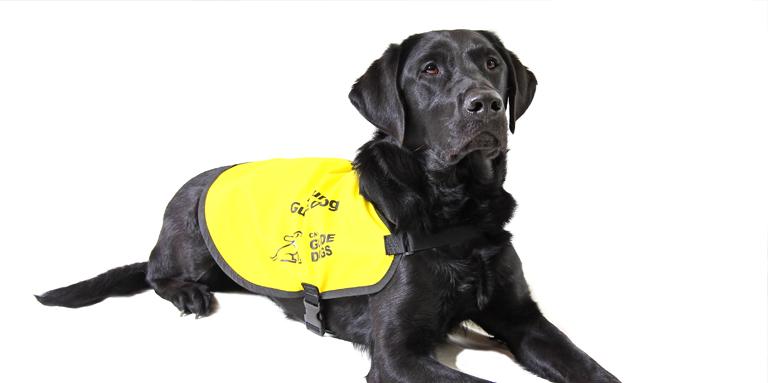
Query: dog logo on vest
[(290, 251)]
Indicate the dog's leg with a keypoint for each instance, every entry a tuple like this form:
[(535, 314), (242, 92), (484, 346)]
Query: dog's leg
[(417, 369), (392, 360), (406, 325), (180, 267), (544, 350), (185, 276), (514, 318), (188, 297)]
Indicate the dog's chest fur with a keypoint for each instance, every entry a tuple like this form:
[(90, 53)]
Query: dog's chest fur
[(442, 286), (454, 282)]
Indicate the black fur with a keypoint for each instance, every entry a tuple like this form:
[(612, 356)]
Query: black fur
[(437, 160), (120, 281)]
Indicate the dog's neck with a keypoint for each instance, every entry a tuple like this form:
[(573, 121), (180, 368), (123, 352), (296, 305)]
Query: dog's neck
[(415, 195)]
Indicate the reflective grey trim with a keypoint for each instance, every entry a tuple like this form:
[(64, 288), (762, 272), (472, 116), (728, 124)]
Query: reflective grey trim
[(364, 290)]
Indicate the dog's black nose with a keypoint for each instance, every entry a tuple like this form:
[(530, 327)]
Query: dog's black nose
[(482, 101)]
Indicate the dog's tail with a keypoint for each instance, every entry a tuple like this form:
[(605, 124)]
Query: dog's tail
[(121, 281)]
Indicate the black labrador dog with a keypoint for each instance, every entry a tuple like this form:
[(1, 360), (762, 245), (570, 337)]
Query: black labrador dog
[(437, 161)]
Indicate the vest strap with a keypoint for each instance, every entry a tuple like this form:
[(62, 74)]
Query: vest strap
[(407, 243), (313, 316)]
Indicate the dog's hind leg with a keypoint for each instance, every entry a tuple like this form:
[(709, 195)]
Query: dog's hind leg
[(180, 268), (189, 286), (188, 297)]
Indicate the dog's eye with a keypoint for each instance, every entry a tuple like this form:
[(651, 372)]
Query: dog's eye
[(431, 69), (491, 63)]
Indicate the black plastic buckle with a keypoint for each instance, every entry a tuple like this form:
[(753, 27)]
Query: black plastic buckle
[(397, 244), (313, 316)]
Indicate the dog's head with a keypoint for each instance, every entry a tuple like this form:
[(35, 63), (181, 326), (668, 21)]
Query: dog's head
[(445, 93)]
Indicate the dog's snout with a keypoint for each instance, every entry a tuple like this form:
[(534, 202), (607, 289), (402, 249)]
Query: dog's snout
[(482, 101)]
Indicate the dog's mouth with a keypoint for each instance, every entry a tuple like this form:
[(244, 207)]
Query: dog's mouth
[(486, 143), (482, 141)]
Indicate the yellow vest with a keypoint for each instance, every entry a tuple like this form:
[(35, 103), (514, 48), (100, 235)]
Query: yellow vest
[(273, 225)]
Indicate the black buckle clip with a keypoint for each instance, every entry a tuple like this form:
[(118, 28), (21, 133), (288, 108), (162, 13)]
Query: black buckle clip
[(397, 244), (313, 316)]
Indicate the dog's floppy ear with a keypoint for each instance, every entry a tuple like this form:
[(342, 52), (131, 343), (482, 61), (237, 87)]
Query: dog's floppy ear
[(521, 83), (377, 97)]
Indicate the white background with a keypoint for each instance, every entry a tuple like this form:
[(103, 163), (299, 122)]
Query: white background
[(640, 171)]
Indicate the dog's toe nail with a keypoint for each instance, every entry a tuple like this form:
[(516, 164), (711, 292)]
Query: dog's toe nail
[(198, 316)]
